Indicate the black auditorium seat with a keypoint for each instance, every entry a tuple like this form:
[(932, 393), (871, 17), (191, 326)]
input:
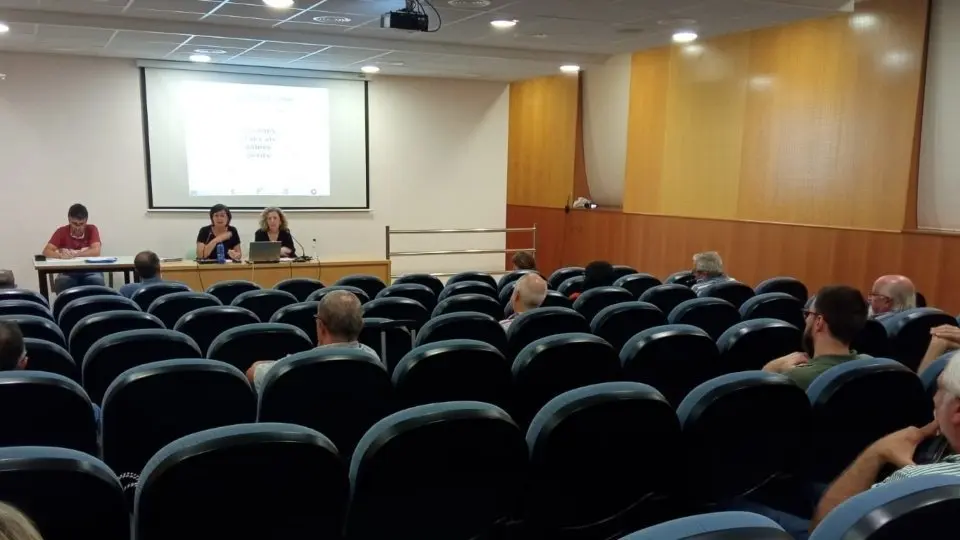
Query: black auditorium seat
[(68, 494), (732, 291), (674, 359), (205, 324), (538, 323), (431, 281), (713, 315), (169, 308), (24, 307), (590, 456), (46, 409), (461, 303), (667, 296), (505, 295), (453, 370), (388, 338), (683, 277), (149, 292), (554, 364), (468, 287), (150, 406), (199, 487), (370, 285), (787, 285), (116, 353), (242, 346), (303, 315), (301, 288), (482, 277), (637, 284), (853, 407), (226, 291), (756, 424), (264, 302), (931, 375), (620, 322), (401, 489), (92, 328), (921, 300), (73, 293), (464, 325), (571, 286), (397, 309), (595, 300), (339, 392), (37, 327), (318, 295), (562, 275), (774, 305), (413, 291), (51, 358), (23, 294), (909, 333), (751, 344), (89, 305), (873, 340), (557, 299), (512, 277), (715, 526), (622, 270)]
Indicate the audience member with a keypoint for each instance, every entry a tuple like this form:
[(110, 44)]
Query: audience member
[(596, 274), (524, 260), (7, 281), (707, 270), (339, 322), (833, 321), (219, 231), (528, 294), (13, 351), (14, 525), (891, 295), (943, 339), (147, 265), (275, 228), (76, 239)]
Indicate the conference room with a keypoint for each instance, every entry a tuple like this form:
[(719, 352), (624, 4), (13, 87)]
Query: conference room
[(466, 269)]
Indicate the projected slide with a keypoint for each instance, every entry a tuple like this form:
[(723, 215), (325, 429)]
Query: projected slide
[(251, 139)]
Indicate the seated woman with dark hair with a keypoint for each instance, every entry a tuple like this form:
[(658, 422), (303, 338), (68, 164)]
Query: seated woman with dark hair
[(596, 274), (219, 232), (274, 228)]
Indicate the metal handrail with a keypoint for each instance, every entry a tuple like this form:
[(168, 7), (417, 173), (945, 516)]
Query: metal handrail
[(440, 231), (390, 254)]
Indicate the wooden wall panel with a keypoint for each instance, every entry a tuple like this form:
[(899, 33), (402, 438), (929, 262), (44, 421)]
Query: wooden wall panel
[(551, 224), (646, 130), (542, 141)]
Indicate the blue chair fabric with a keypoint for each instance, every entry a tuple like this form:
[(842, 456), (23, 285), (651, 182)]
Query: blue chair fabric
[(775, 305), (264, 302), (302, 315), (92, 328), (667, 296), (73, 293), (89, 305), (388, 338), (242, 346), (23, 294), (674, 359), (715, 526), (468, 287), (226, 291), (50, 358), (24, 307), (683, 277), (300, 288), (930, 376), (732, 291), (397, 309), (714, 315), (169, 308), (618, 323), (787, 285), (909, 333), (465, 325), (46, 409), (421, 293), (35, 327), (466, 303), (205, 324), (571, 286), (361, 295), (532, 325), (637, 284), (563, 274), (873, 340), (453, 370), (591, 302), (149, 292), (431, 281), (512, 277), (557, 299), (750, 345), (482, 277), (370, 285)]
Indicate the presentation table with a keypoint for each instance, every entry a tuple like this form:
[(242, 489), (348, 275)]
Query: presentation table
[(201, 276), (47, 268)]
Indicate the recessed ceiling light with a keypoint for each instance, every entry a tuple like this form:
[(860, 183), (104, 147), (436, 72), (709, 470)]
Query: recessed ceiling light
[(503, 23), (199, 58), (684, 36), (332, 19), (469, 3), (4, 28), (570, 68), (370, 69), (210, 51), (278, 3)]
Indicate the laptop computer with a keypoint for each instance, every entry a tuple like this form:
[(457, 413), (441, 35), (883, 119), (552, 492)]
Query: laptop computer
[(264, 252)]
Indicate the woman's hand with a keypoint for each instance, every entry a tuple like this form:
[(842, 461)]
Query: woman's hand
[(234, 254), (223, 237), (285, 251)]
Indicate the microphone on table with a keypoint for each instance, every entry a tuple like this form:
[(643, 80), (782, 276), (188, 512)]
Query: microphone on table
[(303, 251)]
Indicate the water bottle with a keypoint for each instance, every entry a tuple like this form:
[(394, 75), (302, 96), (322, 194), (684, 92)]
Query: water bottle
[(221, 254)]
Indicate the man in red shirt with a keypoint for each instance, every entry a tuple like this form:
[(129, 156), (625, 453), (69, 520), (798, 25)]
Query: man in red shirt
[(76, 239)]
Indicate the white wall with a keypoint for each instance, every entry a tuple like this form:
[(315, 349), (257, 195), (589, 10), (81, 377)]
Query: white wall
[(606, 108), (70, 131), (938, 197)]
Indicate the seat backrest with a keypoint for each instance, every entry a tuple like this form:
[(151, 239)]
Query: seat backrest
[(571, 286), (242, 346), (468, 287), (318, 295), (590, 455), (431, 281), (264, 302), (149, 292), (453, 370), (110, 356), (66, 493), (683, 277), (51, 358), (716, 526), (170, 307), (73, 293), (390, 339), (714, 315), (505, 295), (397, 472), (873, 340), (302, 315), (787, 285), (465, 325), (637, 284), (150, 406), (205, 324), (300, 288), (413, 291), (620, 322), (673, 358), (465, 303), (852, 408), (751, 344), (482, 277), (226, 291), (370, 285), (620, 270), (46, 409), (24, 307), (732, 291), (512, 277), (774, 305), (557, 299), (339, 392), (921, 300), (37, 327), (196, 487), (667, 296), (23, 294), (595, 300), (91, 328), (397, 309), (930, 376), (89, 305), (909, 333), (564, 274), (532, 325), (552, 365), (757, 425)]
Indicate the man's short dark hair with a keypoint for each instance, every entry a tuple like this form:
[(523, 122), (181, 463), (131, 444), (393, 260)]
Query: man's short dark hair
[(341, 313), (11, 345), (598, 274), (147, 264), (7, 281), (844, 309), (524, 260), (78, 211), (221, 208)]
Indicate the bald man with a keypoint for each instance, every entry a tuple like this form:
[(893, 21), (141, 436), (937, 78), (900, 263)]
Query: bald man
[(890, 295), (529, 293)]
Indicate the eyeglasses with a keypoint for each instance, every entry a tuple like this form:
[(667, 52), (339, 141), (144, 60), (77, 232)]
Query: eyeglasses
[(873, 296), (807, 313)]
